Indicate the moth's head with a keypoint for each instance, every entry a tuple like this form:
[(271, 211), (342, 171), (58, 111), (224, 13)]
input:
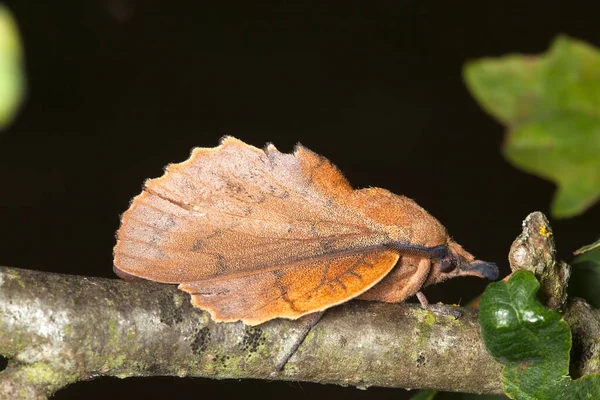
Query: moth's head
[(459, 262)]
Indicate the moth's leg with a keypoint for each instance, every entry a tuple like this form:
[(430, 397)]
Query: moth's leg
[(307, 323), (441, 309)]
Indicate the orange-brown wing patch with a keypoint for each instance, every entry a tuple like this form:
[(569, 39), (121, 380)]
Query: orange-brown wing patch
[(238, 210), (291, 291)]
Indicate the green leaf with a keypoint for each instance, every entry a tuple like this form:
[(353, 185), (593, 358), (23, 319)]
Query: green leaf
[(585, 275), (532, 341), (12, 77), (550, 105)]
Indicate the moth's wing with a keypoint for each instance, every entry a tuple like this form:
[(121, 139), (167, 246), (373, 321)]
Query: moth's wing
[(290, 291), (237, 209)]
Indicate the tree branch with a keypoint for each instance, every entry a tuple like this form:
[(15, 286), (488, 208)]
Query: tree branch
[(58, 329)]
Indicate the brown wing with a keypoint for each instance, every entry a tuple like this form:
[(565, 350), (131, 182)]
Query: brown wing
[(238, 209), (292, 290)]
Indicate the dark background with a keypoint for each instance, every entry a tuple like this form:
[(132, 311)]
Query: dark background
[(118, 89)]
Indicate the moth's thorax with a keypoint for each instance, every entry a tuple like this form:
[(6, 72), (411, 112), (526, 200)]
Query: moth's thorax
[(401, 218), (398, 234), (425, 231)]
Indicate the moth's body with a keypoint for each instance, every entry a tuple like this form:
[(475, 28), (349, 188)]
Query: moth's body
[(257, 234)]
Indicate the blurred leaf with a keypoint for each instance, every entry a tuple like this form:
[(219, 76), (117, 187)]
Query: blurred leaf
[(584, 249), (469, 396), (585, 276), (424, 394), (12, 77), (550, 105), (532, 341)]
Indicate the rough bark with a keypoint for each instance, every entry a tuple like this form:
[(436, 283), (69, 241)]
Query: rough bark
[(58, 329)]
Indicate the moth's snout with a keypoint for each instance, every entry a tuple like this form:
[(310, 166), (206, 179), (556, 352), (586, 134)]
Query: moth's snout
[(481, 269)]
